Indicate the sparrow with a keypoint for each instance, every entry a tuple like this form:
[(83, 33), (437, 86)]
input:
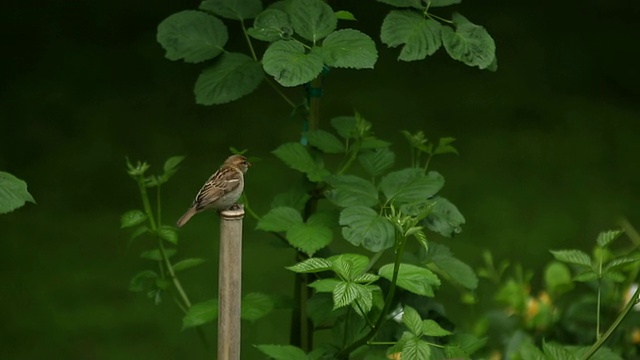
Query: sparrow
[(222, 190)]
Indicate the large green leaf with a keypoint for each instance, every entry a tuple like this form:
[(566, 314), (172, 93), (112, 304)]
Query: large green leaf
[(312, 19), (417, 4), (440, 3), (233, 76), (193, 36), (279, 219), (282, 352), (432, 328), (363, 226), (351, 190), (271, 25), (200, 314), (461, 273), (13, 193), (296, 156), (255, 306), (325, 141), (469, 43), (411, 185), (349, 48), (296, 197), (290, 64), (233, 9), (376, 161), (416, 279), (444, 218), (309, 238), (325, 285), (420, 37)]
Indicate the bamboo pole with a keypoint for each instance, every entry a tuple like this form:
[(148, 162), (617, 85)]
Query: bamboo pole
[(229, 284)]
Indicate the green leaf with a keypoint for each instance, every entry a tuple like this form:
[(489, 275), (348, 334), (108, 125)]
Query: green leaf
[(357, 264), (345, 15), (289, 63), (364, 299), (345, 126), (444, 218), (187, 264), (297, 157), (440, 3), (469, 43), (614, 276), (417, 4), (255, 306), (344, 294), (171, 166), (557, 352), (349, 48), (418, 36), (200, 314), (325, 285), (412, 320), (312, 19), (233, 76), (271, 25), (621, 262), (193, 36), (418, 280), (606, 237), (311, 265), (282, 352), (366, 278), (13, 193), (457, 270), (371, 142), (325, 141), (132, 218), (233, 9), (411, 185), (296, 197), (416, 349), (376, 161), (155, 254), (168, 233), (576, 257), (139, 231), (586, 276), (351, 190), (309, 238), (279, 219), (445, 147), (557, 278), (142, 281), (431, 328), (363, 226)]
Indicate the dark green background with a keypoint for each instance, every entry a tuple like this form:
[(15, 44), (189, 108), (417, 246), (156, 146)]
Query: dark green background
[(548, 156)]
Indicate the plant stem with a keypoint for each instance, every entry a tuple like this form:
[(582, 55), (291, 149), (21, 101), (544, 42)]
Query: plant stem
[(246, 36), (279, 92), (344, 353), (172, 274), (625, 311), (146, 204)]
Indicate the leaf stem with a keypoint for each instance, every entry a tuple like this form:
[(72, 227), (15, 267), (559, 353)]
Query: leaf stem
[(430, 15), (279, 92), (246, 36)]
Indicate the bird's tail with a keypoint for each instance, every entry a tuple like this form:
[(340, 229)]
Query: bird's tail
[(184, 218)]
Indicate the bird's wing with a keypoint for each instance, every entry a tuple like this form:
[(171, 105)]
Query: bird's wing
[(219, 184)]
